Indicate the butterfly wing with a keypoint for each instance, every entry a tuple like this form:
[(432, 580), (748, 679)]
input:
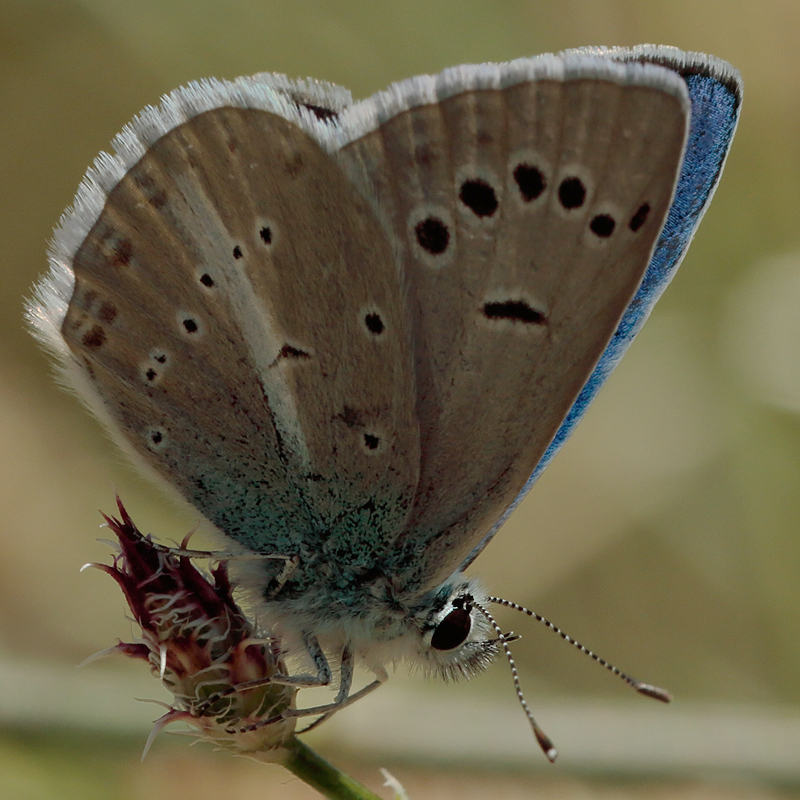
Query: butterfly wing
[(494, 215), (230, 306), (715, 91), (524, 229)]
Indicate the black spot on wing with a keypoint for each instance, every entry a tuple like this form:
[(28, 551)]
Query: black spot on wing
[(432, 235), (478, 196), (571, 193), (514, 311), (530, 181), (640, 217), (602, 225)]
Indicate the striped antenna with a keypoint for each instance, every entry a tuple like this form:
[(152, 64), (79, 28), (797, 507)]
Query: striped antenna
[(643, 688)]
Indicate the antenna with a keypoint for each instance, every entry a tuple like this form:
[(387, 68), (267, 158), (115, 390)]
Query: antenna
[(643, 688), (504, 638), (548, 748)]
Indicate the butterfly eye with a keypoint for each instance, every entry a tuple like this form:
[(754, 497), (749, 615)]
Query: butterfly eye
[(452, 630)]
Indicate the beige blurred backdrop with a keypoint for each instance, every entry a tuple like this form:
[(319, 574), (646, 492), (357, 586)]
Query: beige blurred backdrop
[(664, 536)]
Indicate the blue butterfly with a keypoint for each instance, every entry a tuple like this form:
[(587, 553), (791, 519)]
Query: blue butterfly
[(352, 335)]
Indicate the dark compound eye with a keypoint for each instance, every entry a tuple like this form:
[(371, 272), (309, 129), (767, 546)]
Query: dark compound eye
[(432, 235), (453, 630)]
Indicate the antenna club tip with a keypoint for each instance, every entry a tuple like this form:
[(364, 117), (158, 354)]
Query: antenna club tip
[(654, 691), (547, 746)]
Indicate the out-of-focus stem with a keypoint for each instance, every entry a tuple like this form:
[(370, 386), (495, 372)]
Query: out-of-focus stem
[(320, 774)]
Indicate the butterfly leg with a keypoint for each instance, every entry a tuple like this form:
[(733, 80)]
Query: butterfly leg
[(381, 677), (279, 581), (343, 696), (303, 681), (323, 678)]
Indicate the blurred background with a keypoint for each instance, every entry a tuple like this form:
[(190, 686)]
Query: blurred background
[(664, 536)]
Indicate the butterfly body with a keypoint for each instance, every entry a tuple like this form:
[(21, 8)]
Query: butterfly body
[(349, 333)]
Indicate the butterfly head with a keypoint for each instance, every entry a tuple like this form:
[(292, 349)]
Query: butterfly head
[(457, 639)]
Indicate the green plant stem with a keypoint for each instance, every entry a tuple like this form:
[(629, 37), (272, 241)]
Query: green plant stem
[(314, 770)]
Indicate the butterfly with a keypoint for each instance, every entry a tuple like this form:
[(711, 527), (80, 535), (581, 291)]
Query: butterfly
[(353, 334)]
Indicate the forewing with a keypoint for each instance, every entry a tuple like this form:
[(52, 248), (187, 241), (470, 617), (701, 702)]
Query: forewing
[(715, 92), (525, 205)]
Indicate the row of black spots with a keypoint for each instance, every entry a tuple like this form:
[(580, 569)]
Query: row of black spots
[(154, 368), (102, 310), (514, 311), (572, 193), (532, 182), (371, 440), (93, 304), (603, 225), (477, 195), (150, 188), (264, 233), (480, 197)]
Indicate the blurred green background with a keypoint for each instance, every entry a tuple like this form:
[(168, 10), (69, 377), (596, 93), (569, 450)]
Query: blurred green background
[(665, 535)]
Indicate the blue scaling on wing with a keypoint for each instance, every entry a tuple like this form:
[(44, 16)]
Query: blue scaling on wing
[(716, 100)]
